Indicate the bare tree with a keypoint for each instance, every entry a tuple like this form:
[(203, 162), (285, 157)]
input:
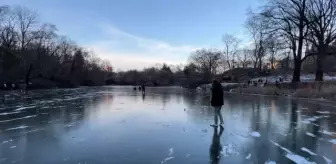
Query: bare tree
[(30, 50), (231, 44), (257, 26), (273, 46), (244, 57), (26, 22), (321, 19), (287, 19), (207, 61)]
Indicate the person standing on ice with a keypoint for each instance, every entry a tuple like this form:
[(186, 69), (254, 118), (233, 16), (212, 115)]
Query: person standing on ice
[(217, 101)]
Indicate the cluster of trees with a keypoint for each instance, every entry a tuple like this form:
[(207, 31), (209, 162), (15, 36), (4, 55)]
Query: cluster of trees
[(32, 52), (158, 75), (307, 28), (283, 29)]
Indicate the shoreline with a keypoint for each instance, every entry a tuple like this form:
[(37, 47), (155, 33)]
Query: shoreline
[(327, 102)]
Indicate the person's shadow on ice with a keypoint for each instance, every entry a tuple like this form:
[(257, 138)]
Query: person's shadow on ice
[(216, 147)]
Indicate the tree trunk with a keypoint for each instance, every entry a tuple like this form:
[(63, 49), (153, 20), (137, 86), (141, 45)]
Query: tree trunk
[(319, 64), (28, 74), (297, 71)]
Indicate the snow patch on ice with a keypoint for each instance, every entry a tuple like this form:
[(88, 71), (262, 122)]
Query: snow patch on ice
[(310, 134), (18, 118), (298, 159), (171, 151), (255, 134), (323, 112), (270, 162), (308, 151), (33, 131), (328, 133), (312, 119), (12, 147), (25, 107), (5, 113), (16, 128), (7, 141), (333, 141), (167, 159), (248, 156), (283, 148), (229, 150), (329, 161)]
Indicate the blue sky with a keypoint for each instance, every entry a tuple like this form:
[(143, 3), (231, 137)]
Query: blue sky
[(139, 33)]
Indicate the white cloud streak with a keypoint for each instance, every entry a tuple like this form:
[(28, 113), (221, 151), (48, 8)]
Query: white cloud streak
[(128, 51)]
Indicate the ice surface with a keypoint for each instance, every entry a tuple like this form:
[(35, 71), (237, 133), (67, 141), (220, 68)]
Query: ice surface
[(270, 162), (298, 159)]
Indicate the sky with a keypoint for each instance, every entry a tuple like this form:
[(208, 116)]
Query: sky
[(134, 34)]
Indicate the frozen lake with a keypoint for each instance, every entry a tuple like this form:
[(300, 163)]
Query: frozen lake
[(116, 125)]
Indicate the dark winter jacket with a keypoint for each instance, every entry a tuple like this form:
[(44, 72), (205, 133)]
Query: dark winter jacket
[(217, 96)]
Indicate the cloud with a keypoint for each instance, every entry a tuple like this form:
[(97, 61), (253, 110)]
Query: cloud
[(128, 51)]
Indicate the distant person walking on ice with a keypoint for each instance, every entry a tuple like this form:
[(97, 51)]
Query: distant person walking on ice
[(217, 101), (143, 88)]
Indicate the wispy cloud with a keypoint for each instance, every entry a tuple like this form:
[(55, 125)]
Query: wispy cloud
[(128, 51)]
